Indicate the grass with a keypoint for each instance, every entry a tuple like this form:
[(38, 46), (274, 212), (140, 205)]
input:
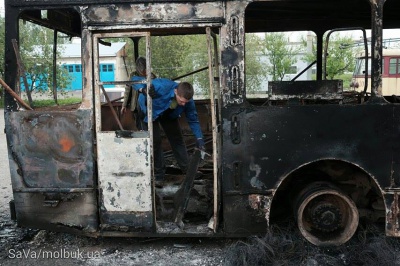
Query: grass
[(345, 77), (51, 102), (346, 80)]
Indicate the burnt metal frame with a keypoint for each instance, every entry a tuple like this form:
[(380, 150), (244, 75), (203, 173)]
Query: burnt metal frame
[(365, 52), (232, 70), (98, 84)]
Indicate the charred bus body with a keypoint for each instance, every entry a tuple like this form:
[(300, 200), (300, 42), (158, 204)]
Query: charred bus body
[(309, 151)]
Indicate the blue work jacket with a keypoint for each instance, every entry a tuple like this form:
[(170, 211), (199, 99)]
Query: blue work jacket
[(164, 89)]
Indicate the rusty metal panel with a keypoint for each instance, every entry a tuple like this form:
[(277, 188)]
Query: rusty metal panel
[(87, 70), (395, 175), (232, 54), (70, 212), (51, 149), (277, 140), (246, 213), (63, 3), (153, 13), (392, 214), (125, 182), (315, 89), (124, 172)]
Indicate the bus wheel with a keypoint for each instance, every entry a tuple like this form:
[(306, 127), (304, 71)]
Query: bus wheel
[(325, 215)]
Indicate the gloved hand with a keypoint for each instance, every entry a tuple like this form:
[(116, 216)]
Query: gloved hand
[(152, 92), (200, 144)]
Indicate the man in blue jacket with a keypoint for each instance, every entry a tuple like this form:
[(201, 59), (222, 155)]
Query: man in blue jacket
[(170, 100)]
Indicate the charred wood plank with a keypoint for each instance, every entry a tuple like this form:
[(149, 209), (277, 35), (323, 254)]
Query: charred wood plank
[(181, 197)]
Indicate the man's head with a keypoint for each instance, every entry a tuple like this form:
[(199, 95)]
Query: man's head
[(141, 66), (184, 93)]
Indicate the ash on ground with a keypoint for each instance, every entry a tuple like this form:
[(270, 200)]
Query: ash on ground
[(281, 246)]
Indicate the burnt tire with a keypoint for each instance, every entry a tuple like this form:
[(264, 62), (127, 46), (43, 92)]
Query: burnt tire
[(325, 215)]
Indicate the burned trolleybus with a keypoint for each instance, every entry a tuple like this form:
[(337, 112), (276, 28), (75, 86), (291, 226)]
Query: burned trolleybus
[(309, 150)]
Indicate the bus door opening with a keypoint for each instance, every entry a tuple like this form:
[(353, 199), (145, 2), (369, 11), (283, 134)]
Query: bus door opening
[(124, 154)]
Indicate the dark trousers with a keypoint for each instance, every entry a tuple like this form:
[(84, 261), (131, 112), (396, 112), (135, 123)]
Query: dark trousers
[(173, 132), (139, 116)]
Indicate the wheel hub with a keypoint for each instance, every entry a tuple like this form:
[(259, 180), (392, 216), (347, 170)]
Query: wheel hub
[(326, 217)]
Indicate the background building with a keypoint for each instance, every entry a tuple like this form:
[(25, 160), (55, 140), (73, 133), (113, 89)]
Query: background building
[(112, 63)]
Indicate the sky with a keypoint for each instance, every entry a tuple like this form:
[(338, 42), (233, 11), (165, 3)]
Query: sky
[(2, 7)]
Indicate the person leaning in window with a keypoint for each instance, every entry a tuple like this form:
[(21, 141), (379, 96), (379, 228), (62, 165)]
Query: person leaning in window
[(170, 100), (131, 96)]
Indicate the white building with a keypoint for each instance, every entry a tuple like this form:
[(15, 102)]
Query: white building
[(112, 66)]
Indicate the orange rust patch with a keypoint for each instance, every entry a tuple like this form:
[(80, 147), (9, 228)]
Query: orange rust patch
[(66, 143)]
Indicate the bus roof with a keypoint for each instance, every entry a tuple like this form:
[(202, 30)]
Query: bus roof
[(261, 16)]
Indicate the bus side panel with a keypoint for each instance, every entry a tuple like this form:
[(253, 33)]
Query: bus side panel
[(51, 149), (66, 212), (392, 200), (245, 213), (51, 166), (263, 145)]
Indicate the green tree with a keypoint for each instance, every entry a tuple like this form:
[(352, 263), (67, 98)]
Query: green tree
[(341, 55), (197, 58), (255, 72), (177, 55), (168, 54), (309, 57), (281, 56), (174, 56), (184, 54), (36, 48)]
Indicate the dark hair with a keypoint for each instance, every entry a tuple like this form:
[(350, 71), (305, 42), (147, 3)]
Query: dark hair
[(141, 66), (185, 90)]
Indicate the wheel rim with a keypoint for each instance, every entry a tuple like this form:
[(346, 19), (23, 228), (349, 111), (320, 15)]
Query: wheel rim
[(326, 216)]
